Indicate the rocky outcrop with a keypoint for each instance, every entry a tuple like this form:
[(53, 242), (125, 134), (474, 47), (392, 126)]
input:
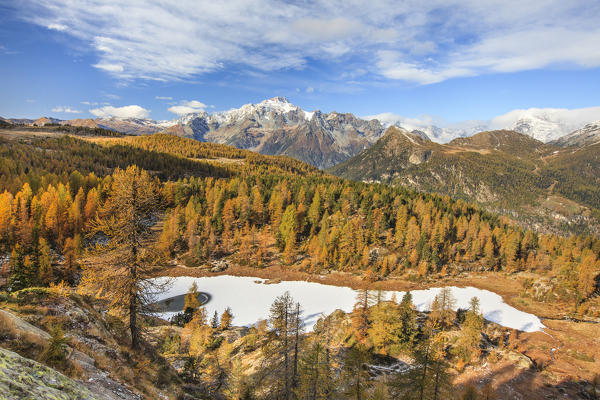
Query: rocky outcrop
[(22, 378)]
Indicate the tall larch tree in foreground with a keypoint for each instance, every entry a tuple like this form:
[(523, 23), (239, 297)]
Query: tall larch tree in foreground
[(119, 266), (281, 350)]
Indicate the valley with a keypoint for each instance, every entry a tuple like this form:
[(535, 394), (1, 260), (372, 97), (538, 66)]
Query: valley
[(247, 217)]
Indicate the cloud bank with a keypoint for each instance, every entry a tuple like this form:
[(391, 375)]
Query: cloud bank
[(414, 41), (132, 111), (66, 109)]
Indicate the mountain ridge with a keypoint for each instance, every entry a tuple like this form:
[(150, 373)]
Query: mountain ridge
[(277, 127), (541, 185)]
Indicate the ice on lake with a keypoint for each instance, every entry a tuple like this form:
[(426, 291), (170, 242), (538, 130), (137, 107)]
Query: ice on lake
[(250, 299)]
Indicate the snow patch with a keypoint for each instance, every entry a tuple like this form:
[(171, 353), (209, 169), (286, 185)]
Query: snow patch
[(250, 301)]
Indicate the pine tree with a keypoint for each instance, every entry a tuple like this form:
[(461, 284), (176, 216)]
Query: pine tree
[(314, 374), (6, 201), (214, 322), (314, 211), (428, 378), (120, 269), (408, 320)]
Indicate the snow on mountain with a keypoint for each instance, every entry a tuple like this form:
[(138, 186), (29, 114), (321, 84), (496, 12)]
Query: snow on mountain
[(546, 124), (586, 136), (276, 126)]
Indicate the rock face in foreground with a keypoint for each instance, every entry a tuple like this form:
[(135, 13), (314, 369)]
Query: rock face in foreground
[(22, 378)]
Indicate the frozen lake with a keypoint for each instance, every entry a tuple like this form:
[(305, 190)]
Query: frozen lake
[(250, 299)]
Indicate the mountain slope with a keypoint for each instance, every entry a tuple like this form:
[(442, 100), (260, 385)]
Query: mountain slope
[(277, 127), (540, 185), (588, 135)]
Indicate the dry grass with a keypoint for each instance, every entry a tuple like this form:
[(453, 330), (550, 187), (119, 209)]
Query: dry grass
[(9, 326)]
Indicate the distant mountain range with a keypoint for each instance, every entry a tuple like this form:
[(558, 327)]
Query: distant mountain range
[(277, 127), (547, 186)]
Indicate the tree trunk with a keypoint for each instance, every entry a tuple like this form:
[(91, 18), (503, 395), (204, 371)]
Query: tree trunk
[(328, 369), (358, 383), (285, 334), (436, 389), (296, 338), (422, 385), (133, 311), (316, 379)]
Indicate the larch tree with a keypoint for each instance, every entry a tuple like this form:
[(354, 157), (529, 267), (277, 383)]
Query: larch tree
[(467, 345), (118, 268), (361, 320), (281, 350), (226, 319), (442, 308), (385, 330), (44, 259)]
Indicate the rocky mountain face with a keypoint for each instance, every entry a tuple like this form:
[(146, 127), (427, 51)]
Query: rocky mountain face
[(543, 186), (277, 127), (131, 126), (586, 136), (272, 127)]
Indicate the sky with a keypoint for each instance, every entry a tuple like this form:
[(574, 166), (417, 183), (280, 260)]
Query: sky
[(450, 60)]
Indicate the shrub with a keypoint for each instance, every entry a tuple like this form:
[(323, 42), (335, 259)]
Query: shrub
[(55, 353)]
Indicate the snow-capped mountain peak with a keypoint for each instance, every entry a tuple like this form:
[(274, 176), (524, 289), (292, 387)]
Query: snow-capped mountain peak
[(546, 124)]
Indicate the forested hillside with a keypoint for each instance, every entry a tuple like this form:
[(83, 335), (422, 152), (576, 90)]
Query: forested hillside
[(54, 186), (540, 186)]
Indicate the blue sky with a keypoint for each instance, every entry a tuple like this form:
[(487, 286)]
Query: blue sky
[(454, 60)]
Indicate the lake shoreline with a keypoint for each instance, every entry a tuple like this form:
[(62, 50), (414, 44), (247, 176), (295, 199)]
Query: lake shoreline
[(322, 299), (508, 286)]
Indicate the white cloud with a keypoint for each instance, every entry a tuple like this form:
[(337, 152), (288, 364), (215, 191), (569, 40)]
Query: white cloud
[(132, 111), (392, 67), (57, 27), (327, 29), (188, 107), (65, 109), (310, 89), (416, 41), (116, 68), (163, 97)]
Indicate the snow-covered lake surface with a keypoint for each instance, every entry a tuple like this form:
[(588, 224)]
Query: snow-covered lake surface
[(250, 299)]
